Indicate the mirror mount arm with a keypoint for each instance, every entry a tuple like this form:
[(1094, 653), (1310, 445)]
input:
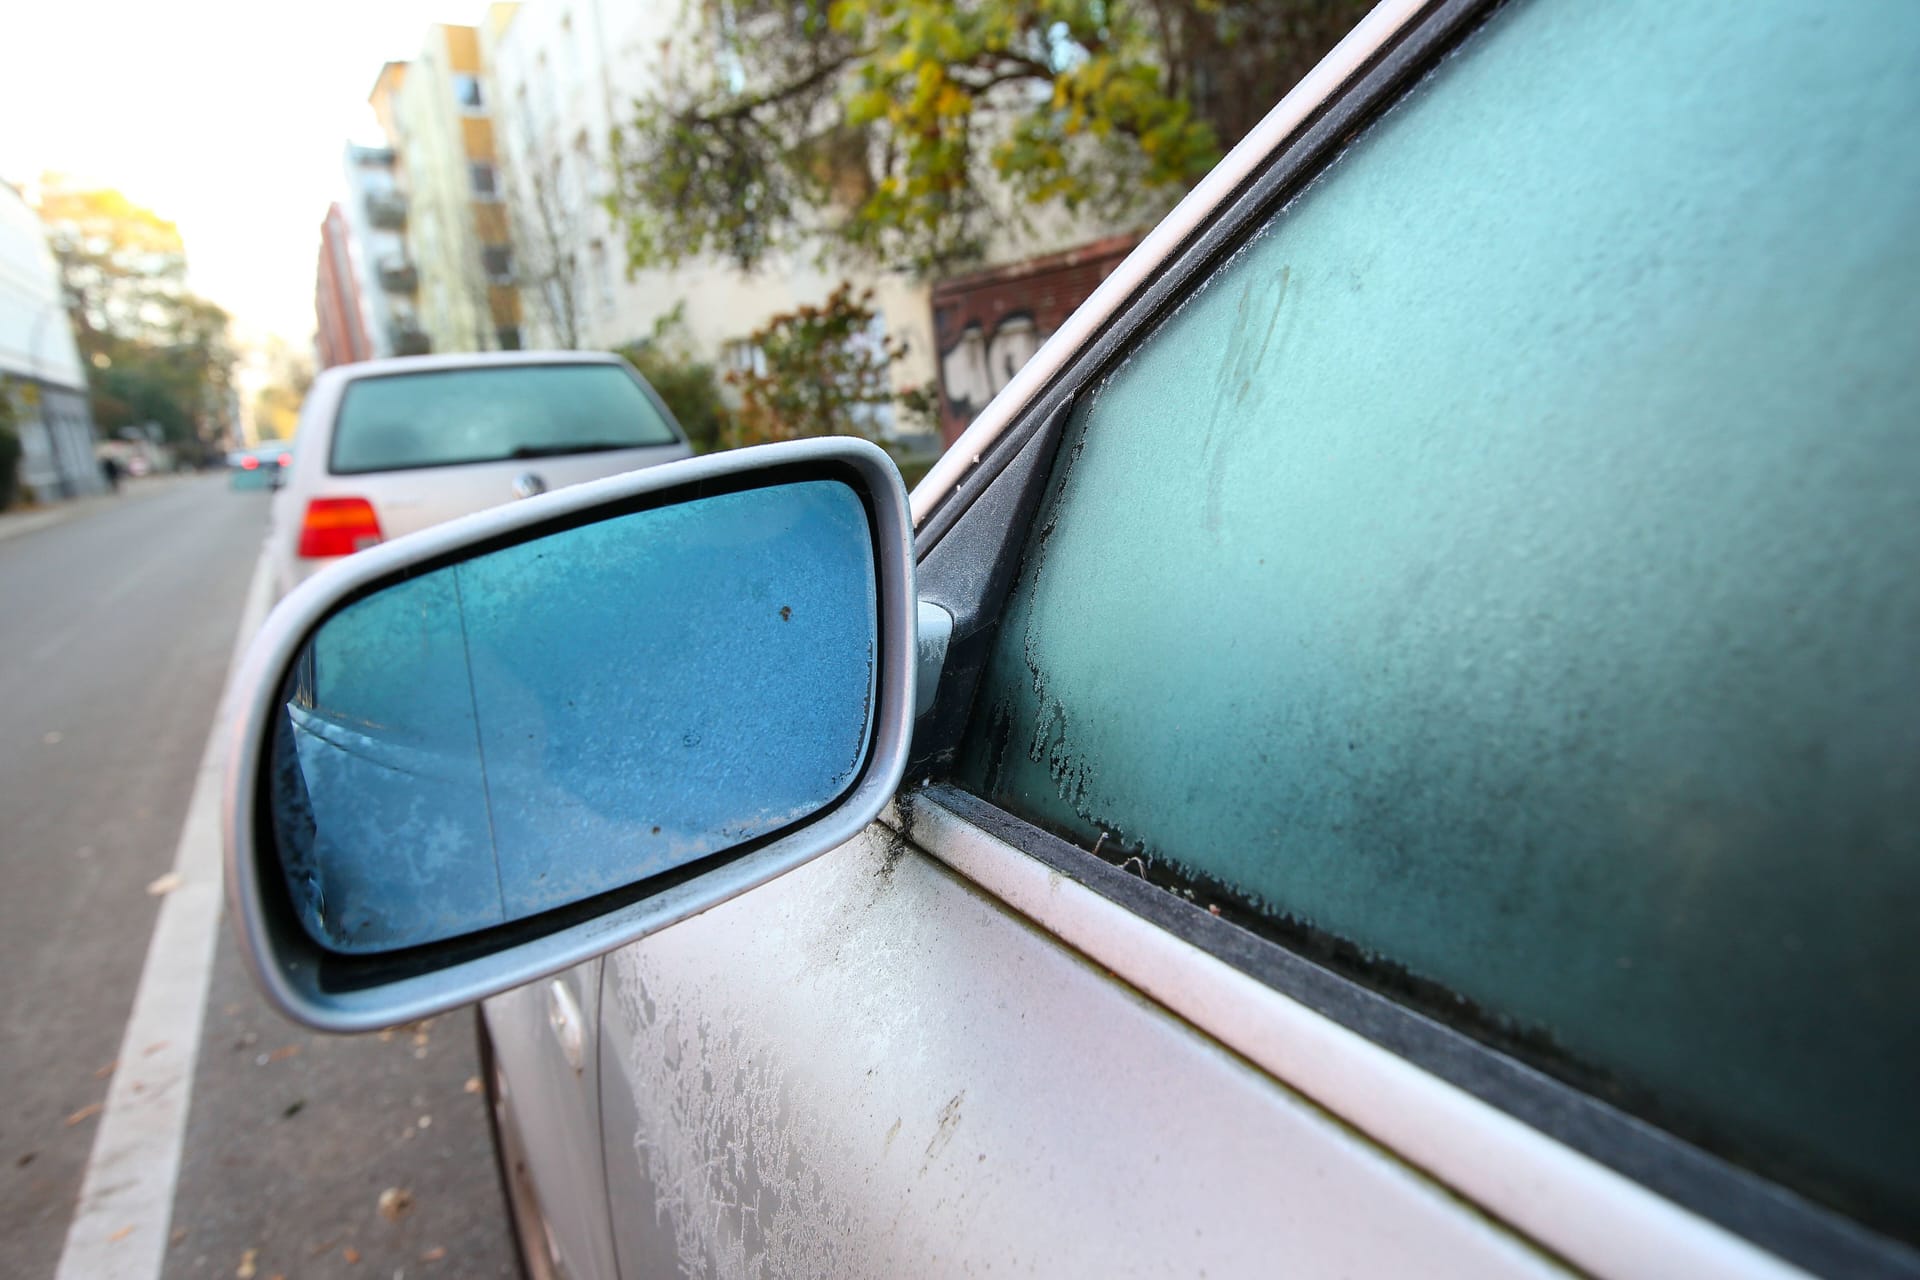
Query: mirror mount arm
[(933, 629)]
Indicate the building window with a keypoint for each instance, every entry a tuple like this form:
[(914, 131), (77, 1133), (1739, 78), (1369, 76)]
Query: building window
[(499, 262), (743, 357), (509, 336), (466, 92), (485, 185)]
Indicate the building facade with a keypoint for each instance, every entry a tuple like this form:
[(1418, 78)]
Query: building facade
[(40, 368), (437, 117), (341, 336), (376, 214)]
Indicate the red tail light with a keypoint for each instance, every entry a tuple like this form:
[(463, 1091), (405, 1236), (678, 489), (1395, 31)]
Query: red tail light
[(286, 459), (249, 463), (338, 527)]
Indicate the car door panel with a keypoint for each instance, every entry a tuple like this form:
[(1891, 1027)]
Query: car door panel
[(868, 1068), (554, 1096)]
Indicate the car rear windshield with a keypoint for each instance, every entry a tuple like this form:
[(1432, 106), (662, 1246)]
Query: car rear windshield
[(446, 417)]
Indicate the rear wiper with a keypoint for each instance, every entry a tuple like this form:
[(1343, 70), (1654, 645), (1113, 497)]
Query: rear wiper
[(553, 450)]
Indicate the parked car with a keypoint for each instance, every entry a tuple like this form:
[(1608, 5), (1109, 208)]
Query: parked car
[(1388, 749), (391, 446), (262, 467)]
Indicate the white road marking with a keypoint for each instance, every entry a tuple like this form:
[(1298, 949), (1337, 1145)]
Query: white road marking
[(119, 1228)]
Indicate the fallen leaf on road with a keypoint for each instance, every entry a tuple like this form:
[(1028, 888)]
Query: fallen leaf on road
[(87, 1112), (154, 1048), (435, 1254), (165, 884), (179, 1234), (395, 1203), (472, 1085), (248, 1265), (107, 1070), (121, 1234), (352, 1255), (284, 1052)]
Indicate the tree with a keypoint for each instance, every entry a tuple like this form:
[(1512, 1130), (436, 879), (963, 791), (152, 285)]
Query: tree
[(154, 351), (901, 131), (276, 406), (820, 371), (686, 383), (549, 234)]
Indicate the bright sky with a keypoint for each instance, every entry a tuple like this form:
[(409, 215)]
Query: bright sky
[(227, 116)]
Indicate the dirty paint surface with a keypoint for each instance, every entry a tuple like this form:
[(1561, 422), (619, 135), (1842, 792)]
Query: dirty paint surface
[(574, 714), (865, 1068), (1504, 568)]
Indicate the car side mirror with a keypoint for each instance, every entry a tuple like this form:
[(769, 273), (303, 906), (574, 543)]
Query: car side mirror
[(475, 756)]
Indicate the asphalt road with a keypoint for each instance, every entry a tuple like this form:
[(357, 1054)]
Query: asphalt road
[(116, 628)]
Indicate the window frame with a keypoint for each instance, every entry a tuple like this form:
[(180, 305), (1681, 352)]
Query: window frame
[(970, 537)]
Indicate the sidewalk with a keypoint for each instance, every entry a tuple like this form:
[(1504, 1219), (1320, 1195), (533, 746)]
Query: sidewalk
[(15, 523)]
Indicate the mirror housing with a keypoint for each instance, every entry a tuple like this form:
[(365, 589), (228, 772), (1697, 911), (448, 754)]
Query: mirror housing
[(335, 988)]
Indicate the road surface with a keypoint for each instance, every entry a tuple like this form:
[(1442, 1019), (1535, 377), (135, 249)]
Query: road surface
[(117, 624)]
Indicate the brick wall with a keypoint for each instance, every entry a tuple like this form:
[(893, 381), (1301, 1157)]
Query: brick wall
[(987, 324)]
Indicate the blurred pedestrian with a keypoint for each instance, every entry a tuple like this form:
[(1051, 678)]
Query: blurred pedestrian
[(110, 468)]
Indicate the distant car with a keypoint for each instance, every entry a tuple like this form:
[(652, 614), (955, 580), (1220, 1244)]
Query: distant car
[(262, 467), (392, 446)]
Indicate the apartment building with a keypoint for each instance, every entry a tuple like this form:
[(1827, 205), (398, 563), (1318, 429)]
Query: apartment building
[(341, 334), (436, 114)]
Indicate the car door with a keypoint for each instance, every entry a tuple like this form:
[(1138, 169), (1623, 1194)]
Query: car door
[(546, 1096), (1421, 780)]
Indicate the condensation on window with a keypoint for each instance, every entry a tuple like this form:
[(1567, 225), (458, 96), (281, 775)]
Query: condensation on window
[(1502, 576)]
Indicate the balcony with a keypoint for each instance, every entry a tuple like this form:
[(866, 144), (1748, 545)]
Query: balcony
[(407, 340), (398, 275), (387, 210)]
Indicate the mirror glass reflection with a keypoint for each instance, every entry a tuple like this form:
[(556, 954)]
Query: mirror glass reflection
[(546, 722)]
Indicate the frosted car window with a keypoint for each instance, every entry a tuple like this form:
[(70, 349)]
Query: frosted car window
[(1503, 574)]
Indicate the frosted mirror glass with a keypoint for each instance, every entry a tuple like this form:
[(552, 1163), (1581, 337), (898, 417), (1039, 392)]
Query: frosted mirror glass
[(575, 714)]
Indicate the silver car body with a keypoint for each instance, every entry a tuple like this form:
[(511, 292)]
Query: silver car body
[(414, 499), (931, 1052)]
